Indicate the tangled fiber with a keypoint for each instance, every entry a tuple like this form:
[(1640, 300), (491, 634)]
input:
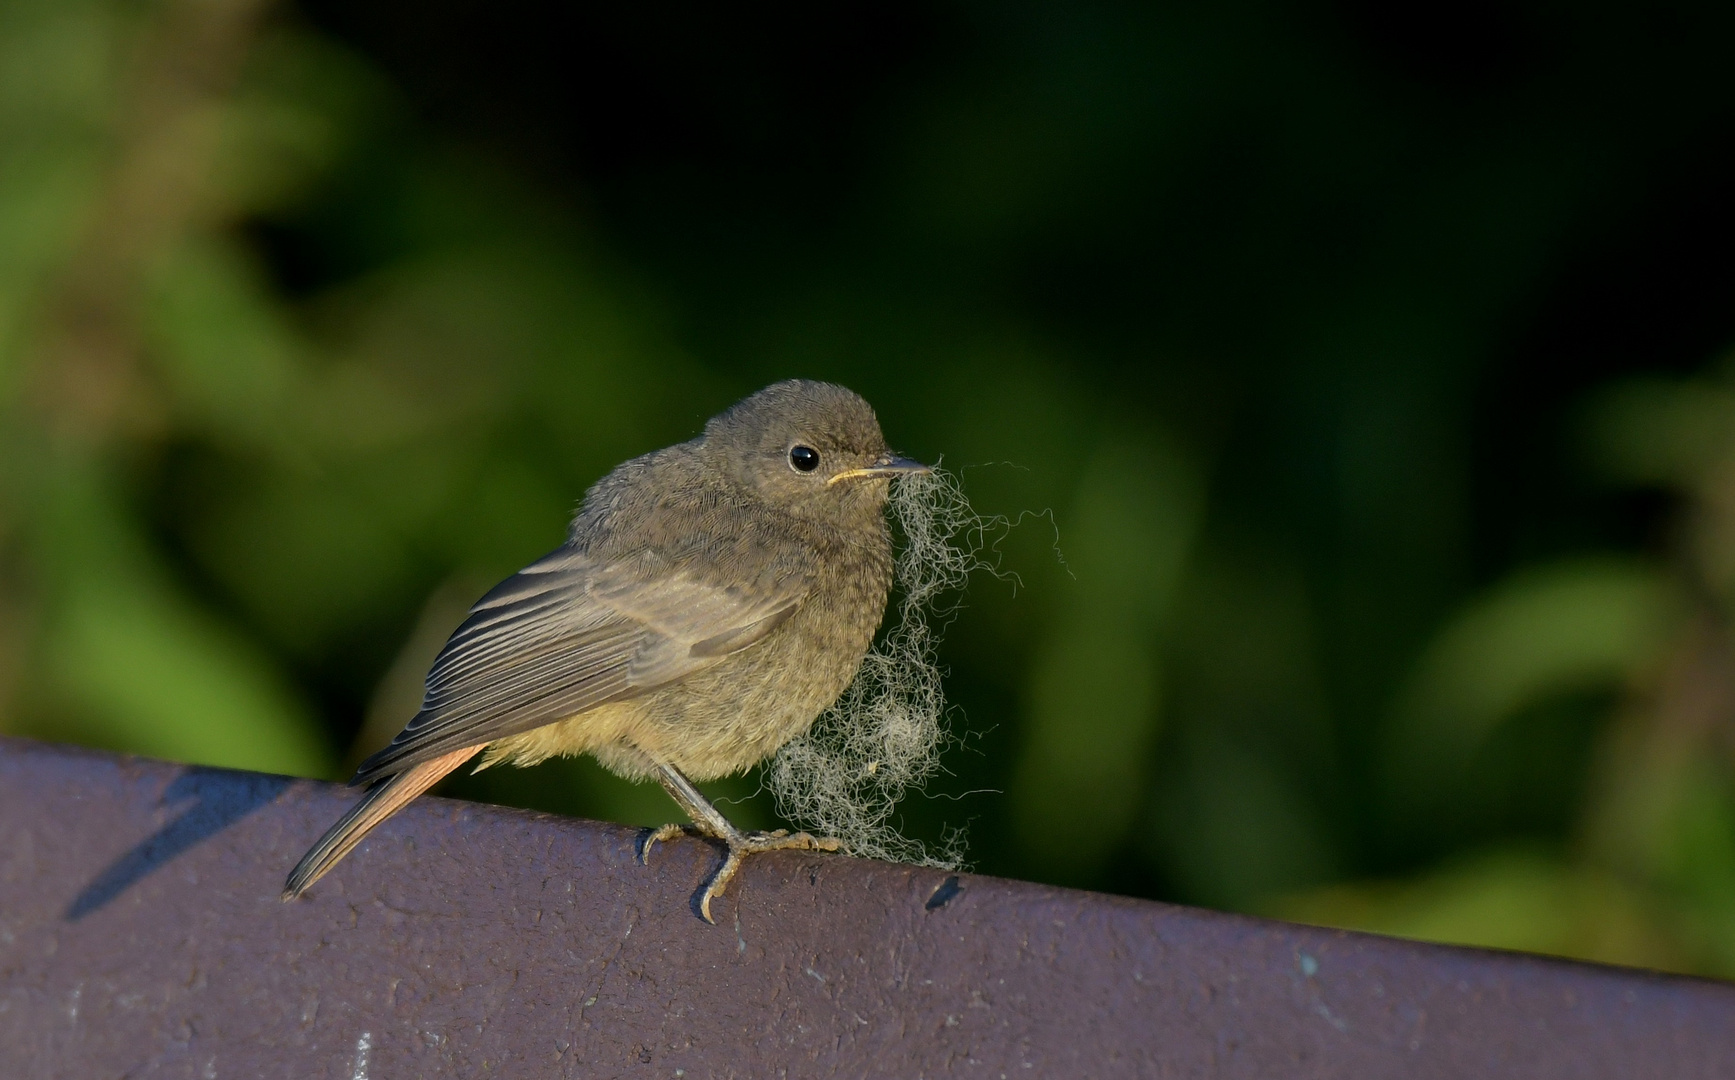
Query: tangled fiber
[(884, 735)]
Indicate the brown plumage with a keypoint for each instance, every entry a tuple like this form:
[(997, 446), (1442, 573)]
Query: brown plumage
[(711, 600)]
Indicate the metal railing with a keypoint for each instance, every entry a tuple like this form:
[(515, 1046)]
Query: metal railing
[(141, 935)]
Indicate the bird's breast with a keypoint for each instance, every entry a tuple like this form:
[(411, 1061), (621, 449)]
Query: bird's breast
[(729, 717)]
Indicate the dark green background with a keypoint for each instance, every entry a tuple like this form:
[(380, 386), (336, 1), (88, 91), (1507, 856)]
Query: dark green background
[(1298, 340)]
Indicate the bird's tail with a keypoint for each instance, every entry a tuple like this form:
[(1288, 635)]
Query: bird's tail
[(381, 801)]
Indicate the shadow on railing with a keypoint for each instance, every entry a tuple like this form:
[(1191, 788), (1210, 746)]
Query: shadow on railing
[(220, 799)]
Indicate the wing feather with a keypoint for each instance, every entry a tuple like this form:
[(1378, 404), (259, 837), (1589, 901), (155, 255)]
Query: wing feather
[(562, 636)]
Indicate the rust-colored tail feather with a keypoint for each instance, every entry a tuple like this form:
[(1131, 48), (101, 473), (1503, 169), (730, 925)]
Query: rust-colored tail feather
[(382, 801)]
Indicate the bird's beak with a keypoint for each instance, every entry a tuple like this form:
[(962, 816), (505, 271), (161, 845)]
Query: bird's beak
[(888, 465)]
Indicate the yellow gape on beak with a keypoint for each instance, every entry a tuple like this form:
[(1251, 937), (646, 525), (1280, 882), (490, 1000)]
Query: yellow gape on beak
[(888, 465)]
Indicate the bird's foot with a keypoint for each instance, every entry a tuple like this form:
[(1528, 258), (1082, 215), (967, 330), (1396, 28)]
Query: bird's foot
[(742, 845)]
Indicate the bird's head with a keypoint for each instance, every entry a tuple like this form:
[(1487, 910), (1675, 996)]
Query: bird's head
[(813, 448)]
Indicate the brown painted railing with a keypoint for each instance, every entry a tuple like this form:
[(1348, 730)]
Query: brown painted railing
[(141, 935)]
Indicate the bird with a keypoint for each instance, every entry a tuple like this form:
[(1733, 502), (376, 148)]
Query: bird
[(711, 599)]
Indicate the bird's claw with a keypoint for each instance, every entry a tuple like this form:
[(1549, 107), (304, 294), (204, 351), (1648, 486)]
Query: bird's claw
[(661, 835)]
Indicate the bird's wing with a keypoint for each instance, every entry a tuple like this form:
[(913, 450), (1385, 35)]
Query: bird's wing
[(564, 635)]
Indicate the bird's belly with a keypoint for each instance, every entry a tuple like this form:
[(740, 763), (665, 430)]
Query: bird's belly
[(730, 717), (586, 733)]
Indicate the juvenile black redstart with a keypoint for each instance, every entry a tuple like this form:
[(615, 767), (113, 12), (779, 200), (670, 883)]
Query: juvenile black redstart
[(710, 601)]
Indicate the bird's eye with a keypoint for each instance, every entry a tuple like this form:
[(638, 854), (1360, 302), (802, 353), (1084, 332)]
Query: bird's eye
[(803, 458)]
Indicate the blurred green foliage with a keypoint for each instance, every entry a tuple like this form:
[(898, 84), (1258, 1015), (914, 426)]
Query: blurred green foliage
[(1321, 611)]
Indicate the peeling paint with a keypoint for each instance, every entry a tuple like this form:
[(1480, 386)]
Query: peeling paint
[(362, 1046)]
